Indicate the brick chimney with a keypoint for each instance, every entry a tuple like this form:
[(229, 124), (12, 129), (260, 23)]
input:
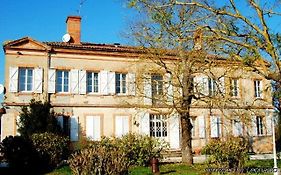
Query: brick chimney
[(73, 28)]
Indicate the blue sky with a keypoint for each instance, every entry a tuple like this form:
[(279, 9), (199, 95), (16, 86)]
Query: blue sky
[(103, 21)]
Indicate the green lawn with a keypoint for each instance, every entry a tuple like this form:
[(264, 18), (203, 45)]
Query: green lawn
[(259, 166)]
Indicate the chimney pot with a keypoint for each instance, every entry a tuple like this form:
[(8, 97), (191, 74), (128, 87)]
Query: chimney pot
[(74, 28)]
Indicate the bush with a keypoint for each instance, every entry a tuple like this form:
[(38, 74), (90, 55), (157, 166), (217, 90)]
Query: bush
[(230, 153), (99, 159), (141, 148), (51, 147), (20, 154), (115, 155)]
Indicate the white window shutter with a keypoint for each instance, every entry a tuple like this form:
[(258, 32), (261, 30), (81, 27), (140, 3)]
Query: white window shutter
[(254, 126), (131, 84), (97, 128), (118, 126), (261, 89), (82, 82), (125, 125), (90, 127), (237, 128), (17, 125), (169, 87), (111, 82), (201, 125), (93, 127), (215, 126), (201, 85), (147, 90), (74, 128), (103, 82), (144, 123), (13, 79), (174, 129), (51, 81), (221, 85), (268, 124), (38, 79), (74, 81)]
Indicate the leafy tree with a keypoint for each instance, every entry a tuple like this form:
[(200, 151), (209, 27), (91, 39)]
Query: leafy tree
[(37, 118)]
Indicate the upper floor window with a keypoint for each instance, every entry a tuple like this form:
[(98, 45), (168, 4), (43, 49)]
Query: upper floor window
[(92, 82), (234, 88), (158, 125), (25, 79), (157, 84), (62, 81), (257, 86), (120, 83), (212, 87)]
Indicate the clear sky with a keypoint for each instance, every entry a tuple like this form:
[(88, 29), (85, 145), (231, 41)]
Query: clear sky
[(103, 21)]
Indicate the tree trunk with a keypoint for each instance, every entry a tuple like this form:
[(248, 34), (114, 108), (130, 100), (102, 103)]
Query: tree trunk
[(186, 147)]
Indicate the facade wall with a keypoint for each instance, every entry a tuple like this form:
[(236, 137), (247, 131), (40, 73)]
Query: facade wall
[(110, 107)]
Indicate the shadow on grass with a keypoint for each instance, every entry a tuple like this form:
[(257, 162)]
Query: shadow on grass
[(168, 172)]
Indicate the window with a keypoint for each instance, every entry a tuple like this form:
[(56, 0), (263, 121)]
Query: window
[(158, 125), (62, 81), (64, 124), (257, 84), (121, 125), (120, 83), (259, 121), (234, 88), (193, 123), (237, 128), (157, 84), (93, 127), (25, 79), (92, 82), (215, 126), (212, 87)]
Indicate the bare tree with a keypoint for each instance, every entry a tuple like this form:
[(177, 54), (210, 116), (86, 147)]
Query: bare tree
[(175, 59)]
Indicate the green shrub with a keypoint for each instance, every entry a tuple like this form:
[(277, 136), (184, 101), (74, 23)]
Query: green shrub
[(51, 147), (229, 153), (115, 155), (99, 159), (141, 148)]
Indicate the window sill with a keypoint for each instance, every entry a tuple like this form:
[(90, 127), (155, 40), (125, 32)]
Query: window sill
[(24, 93), (63, 94)]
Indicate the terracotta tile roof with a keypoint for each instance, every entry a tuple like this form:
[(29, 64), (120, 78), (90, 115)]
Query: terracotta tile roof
[(95, 47)]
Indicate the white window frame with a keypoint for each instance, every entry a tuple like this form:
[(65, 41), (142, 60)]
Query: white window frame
[(26, 69), (121, 78), (63, 83), (237, 128), (260, 125), (216, 125), (94, 84), (212, 87), (159, 85), (234, 87), (158, 126), (257, 88)]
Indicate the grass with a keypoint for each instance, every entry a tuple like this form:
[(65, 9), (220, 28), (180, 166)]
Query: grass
[(179, 169)]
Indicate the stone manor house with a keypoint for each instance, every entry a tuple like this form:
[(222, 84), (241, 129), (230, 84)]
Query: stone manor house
[(89, 84)]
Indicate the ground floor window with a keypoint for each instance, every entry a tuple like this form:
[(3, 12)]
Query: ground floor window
[(158, 125)]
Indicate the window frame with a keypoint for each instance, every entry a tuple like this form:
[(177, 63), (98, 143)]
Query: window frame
[(26, 76), (257, 88), (234, 88), (63, 81), (93, 82), (159, 121), (122, 79), (260, 125)]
